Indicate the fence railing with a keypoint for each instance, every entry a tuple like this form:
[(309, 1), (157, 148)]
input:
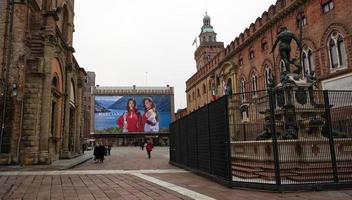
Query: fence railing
[(270, 139), (201, 141)]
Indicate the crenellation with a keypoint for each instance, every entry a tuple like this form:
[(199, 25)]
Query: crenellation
[(258, 22), (272, 11), (265, 17), (241, 38), (237, 41), (252, 28)]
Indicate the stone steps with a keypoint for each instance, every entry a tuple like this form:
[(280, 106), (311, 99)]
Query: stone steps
[(299, 172), (270, 176), (244, 174), (246, 169), (319, 178)]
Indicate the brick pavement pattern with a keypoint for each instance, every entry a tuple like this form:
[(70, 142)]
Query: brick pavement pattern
[(204, 186), (131, 158), (98, 183), (85, 187)]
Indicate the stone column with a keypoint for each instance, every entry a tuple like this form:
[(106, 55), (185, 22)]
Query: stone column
[(79, 116), (45, 120), (66, 110), (46, 92)]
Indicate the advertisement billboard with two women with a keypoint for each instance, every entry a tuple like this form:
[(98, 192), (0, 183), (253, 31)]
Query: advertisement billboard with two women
[(132, 114)]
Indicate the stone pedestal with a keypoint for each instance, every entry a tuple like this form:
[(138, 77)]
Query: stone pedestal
[(297, 114), (301, 160), (300, 150)]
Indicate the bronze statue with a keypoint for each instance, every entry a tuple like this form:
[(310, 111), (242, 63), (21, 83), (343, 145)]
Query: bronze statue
[(285, 37)]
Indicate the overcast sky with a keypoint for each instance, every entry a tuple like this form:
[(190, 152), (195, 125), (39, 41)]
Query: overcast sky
[(149, 43)]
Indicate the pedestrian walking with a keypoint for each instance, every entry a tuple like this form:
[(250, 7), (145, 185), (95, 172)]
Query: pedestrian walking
[(96, 152), (149, 149), (142, 145), (108, 149), (101, 152)]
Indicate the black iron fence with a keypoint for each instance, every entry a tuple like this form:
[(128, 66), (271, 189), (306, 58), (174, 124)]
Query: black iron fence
[(277, 139), (200, 141)]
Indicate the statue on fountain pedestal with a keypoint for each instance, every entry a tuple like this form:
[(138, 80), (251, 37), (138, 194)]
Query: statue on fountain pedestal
[(289, 81), (285, 38)]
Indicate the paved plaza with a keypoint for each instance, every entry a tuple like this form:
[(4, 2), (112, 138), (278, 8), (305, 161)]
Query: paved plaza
[(129, 174)]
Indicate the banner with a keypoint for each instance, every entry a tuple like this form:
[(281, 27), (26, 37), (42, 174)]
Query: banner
[(133, 113)]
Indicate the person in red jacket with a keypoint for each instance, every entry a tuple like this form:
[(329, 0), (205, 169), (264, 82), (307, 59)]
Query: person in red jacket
[(149, 148), (131, 120)]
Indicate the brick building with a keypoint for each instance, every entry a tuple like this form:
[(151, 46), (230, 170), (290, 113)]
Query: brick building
[(246, 63), (41, 82)]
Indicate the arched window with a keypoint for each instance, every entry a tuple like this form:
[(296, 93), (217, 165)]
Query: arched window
[(72, 93), (301, 21), (55, 82), (193, 97), (267, 75), (264, 45), (204, 89), (240, 60), (327, 5), (341, 51), (251, 53), (254, 84), (198, 92), (228, 88), (337, 51), (189, 98), (333, 54), (243, 90), (307, 60)]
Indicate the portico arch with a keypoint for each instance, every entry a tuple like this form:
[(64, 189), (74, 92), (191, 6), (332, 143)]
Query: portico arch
[(56, 126)]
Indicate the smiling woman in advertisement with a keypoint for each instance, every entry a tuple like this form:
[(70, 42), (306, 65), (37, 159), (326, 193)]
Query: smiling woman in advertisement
[(131, 120), (150, 119)]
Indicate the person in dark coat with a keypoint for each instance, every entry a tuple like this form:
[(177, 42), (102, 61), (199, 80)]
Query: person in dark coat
[(102, 152), (96, 153), (142, 145), (149, 149)]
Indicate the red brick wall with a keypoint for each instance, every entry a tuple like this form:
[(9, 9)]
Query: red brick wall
[(316, 32)]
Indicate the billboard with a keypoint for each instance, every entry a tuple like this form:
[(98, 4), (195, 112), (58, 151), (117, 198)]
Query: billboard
[(132, 113)]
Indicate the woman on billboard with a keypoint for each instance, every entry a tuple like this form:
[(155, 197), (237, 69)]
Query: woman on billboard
[(150, 119), (131, 120)]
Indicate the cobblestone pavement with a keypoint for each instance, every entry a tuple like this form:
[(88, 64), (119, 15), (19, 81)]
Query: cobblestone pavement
[(129, 174)]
